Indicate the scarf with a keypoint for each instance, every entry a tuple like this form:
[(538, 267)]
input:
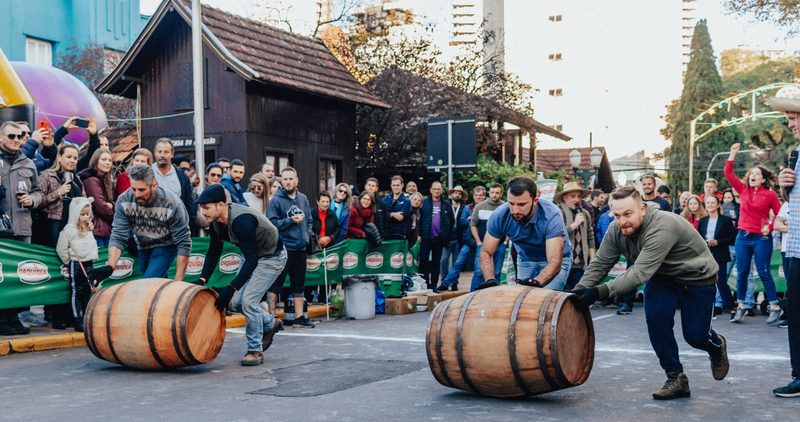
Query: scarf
[(578, 238)]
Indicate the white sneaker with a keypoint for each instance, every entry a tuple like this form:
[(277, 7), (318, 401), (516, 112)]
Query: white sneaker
[(30, 319)]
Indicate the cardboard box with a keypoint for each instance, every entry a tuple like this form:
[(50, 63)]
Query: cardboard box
[(428, 302), (401, 306)]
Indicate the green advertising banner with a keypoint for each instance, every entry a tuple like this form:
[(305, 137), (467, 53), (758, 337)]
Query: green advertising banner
[(33, 275)]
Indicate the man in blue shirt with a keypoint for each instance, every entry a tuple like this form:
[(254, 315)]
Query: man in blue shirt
[(397, 208), (538, 233)]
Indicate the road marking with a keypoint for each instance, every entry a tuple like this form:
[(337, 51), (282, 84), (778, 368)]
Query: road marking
[(339, 335), (603, 317), (740, 357)]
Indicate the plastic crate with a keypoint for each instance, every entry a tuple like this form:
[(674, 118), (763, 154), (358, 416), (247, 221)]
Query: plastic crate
[(391, 284)]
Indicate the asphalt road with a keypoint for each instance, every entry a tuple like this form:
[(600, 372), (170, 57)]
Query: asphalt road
[(377, 370)]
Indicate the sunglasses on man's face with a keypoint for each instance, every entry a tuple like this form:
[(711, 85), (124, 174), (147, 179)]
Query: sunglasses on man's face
[(14, 136)]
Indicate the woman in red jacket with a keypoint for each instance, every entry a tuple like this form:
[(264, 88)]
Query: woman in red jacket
[(97, 184), (361, 213), (141, 156), (755, 231)]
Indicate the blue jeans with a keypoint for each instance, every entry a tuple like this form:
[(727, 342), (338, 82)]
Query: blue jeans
[(458, 266), (156, 262), (246, 300), (749, 246), (661, 299), (450, 250), (749, 298), (529, 269), (477, 276)]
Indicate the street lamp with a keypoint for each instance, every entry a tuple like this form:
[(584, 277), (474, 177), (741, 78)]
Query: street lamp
[(595, 159)]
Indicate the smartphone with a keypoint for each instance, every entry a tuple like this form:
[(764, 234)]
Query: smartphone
[(43, 125), (82, 123)]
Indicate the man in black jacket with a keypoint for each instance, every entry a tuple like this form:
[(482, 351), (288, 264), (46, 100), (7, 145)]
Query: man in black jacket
[(263, 260), (380, 207), (436, 224)]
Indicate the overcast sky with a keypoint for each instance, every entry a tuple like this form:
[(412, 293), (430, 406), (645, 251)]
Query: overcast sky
[(727, 31)]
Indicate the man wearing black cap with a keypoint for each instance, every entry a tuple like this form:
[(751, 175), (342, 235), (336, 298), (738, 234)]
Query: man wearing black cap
[(264, 259)]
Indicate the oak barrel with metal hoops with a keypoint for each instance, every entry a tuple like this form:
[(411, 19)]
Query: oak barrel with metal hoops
[(510, 341), (154, 324)]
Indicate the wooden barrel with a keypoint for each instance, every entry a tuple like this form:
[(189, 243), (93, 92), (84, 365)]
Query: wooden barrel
[(510, 341), (154, 324)]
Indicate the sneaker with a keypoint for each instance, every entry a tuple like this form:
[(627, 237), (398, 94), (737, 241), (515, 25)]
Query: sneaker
[(253, 359), (750, 312), (677, 386), (625, 309), (266, 340), (454, 287), (719, 361), (717, 311), (774, 314), (790, 390), (738, 316), (441, 288), (783, 324), (302, 322)]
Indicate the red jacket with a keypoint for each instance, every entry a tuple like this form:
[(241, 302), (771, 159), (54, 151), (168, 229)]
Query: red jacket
[(357, 220), (103, 214), (755, 203)]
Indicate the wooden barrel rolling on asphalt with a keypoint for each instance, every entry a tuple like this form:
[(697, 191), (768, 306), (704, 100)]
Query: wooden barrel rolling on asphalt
[(154, 324), (510, 341)]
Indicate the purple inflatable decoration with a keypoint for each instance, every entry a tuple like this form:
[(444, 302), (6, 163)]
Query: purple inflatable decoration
[(58, 95)]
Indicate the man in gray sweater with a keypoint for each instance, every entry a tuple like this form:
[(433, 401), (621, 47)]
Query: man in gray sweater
[(159, 222), (667, 253)]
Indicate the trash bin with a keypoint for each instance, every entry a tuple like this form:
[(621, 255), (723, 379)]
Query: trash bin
[(359, 296)]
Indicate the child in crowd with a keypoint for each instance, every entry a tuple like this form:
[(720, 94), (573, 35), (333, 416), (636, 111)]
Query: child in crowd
[(78, 249)]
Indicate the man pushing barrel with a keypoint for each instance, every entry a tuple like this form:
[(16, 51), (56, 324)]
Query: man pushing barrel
[(544, 254), (663, 248), (264, 259)]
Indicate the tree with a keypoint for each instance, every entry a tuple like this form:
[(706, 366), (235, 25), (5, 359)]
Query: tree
[(90, 64), (702, 86), (328, 12), (784, 13), (764, 133)]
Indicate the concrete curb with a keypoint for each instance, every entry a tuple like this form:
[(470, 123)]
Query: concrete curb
[(71, 339)]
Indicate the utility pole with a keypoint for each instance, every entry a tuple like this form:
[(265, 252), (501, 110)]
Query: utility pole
[(197, 90)]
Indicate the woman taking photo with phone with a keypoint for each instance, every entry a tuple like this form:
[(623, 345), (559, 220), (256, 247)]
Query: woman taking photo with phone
[(755, 231)]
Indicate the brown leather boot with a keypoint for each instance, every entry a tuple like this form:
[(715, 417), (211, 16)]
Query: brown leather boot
[(676, 387), (253, 359), (719, 361)]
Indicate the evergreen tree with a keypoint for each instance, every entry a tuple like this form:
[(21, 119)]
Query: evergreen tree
[(702, 86)]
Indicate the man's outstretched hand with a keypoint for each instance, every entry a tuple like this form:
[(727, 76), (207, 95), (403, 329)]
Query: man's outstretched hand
[(225, 296), (587, 297)]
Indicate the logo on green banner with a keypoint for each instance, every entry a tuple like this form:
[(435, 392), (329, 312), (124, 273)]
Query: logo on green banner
[(374, 260), (196, 262), (312, 263), (333, 262), (229, 263), (32, 272), (396, 260), (124, 268), (350, 260), (409, 259)]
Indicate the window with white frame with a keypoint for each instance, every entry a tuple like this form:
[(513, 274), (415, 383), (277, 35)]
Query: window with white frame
[(38, 51), (557, 92)]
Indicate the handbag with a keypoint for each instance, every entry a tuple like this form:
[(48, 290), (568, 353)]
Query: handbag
[(313, 246)]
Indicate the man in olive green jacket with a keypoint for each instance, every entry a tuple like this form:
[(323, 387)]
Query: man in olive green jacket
[(667, 253)]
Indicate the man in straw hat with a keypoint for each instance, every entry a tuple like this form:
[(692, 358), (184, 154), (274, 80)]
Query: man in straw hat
[(579, 228), (544, 254), (676, 267), (787, 100)]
